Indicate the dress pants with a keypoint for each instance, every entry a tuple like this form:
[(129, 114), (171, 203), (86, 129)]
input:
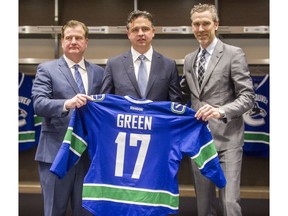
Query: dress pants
[(229, 196), (58, 192)]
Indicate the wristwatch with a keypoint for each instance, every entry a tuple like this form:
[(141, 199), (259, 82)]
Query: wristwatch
[(222, 115)]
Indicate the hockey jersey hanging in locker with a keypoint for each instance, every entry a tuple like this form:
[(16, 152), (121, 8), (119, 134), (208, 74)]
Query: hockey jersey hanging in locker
[(257, 120), (29, 123)]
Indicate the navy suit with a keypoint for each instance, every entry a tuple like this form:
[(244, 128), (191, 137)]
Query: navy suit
[(163, 83), (53, 85)]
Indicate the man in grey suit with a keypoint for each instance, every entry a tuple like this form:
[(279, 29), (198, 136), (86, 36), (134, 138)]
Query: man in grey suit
[(55, 94), (220, 96), (121, 74)]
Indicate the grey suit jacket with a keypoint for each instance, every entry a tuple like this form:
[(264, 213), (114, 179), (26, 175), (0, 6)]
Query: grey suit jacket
[(227, 84), (163, 84), (54, 83)]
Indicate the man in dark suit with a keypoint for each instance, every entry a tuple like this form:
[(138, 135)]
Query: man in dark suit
[(55, 94), (121, 72), (221, 96)]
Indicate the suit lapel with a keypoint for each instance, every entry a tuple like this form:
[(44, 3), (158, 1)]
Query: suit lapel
[(63, 67), (154, 70), (191, 63), (194, 72), (216, 55), (90, 76), (129, 68)]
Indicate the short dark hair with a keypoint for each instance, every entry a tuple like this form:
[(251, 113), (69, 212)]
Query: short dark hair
[(137, 13)]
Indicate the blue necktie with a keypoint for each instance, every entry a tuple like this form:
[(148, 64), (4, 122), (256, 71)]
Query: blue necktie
[(79, 79), (142, 76), (201, 67)]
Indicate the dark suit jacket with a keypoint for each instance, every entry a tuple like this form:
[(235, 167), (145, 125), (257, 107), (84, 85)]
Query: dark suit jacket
[(227, 84), (54, 83), (163, 83)]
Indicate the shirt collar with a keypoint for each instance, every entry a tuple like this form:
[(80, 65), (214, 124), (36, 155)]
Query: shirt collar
[(211, 47), (71, 63), (136, 54)]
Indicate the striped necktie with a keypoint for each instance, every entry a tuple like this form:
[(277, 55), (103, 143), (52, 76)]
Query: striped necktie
[(201, 67), (79, 79)]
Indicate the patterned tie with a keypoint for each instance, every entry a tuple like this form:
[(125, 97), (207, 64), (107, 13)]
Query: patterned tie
[(201, 67), (142, 75), (79, 79)]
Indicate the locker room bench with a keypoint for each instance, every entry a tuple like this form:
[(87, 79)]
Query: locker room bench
[(247, 192)]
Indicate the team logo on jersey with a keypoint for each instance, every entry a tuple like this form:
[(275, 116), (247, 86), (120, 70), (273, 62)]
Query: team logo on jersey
[(255, 116), (177, 108), (257, 111), (98, 98), (22, 117)]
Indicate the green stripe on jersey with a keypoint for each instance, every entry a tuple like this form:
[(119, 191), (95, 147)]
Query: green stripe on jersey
[(130, 195), (76, 143), (258, 137), (205, 154), (37, 120), (26, 136)]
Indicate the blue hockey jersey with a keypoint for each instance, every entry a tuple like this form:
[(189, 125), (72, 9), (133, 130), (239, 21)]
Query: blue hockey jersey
[(29, 123), (257, 125), (135, 148)]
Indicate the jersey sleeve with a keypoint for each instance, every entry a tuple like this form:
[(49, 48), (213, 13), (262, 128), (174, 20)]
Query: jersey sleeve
[(206, 157), (72, 147)]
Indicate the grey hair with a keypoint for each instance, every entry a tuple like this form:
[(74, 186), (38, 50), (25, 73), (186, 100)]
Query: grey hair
[(205, 7)]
